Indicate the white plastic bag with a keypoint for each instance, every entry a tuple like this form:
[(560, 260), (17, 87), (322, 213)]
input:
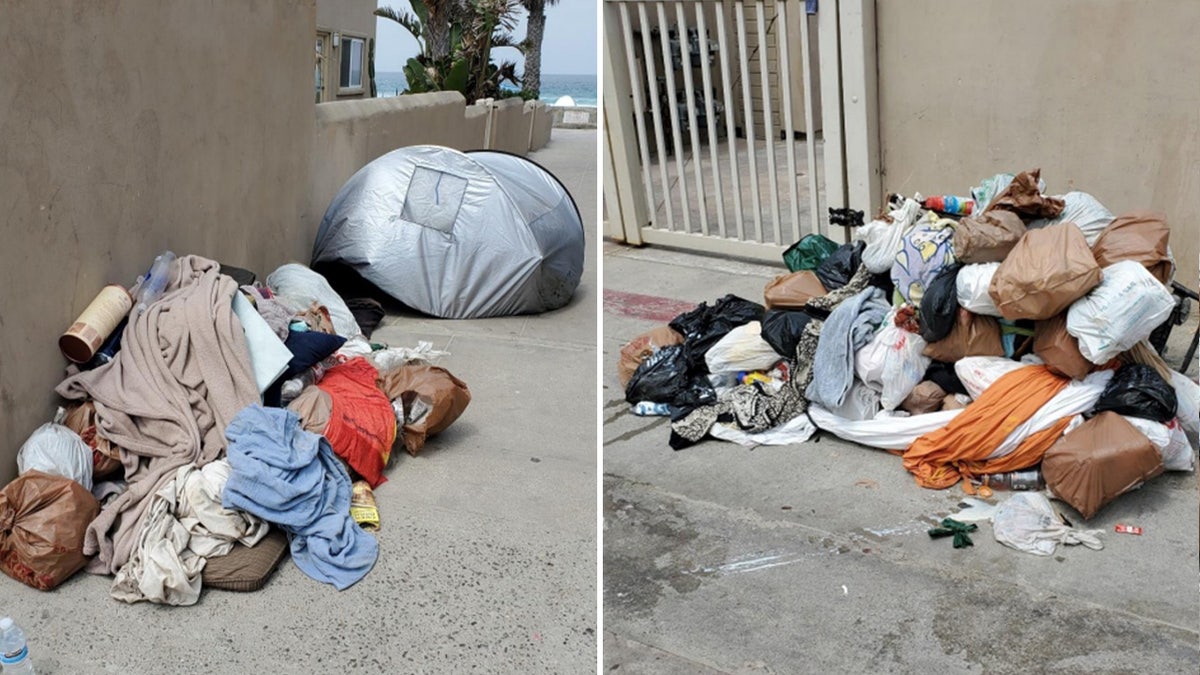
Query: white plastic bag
[(1083, 210), (1027, 522), (742, 349), (883, 238), (977, 373), (1187, 393), (972, 288), (892, 362), (1122, 311), (55, 449), (300, 286), (1180, 454), (886, 432)]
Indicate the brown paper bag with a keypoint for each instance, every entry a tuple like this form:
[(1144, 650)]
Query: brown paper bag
[(42, 522), (1059, 349), (988, 237), (925, 397), (419, 386), (1046, 271), (1104, 458), (1023, 198), (972, 335), (793, 291), (1139, 236), (641, 347)]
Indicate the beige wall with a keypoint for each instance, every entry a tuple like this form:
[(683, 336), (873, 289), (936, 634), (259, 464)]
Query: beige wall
[(1103, 96), (114, 149), (349, 17)]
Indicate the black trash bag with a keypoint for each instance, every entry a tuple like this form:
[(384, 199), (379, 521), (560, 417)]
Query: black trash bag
[(704, 326), (781, 328), (1138, 390), (883, 281), (664, 377), (942, 374), (840, 266), (939, 304)]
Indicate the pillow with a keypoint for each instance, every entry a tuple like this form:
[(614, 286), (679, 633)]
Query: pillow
[(247, 568), (309, 348)]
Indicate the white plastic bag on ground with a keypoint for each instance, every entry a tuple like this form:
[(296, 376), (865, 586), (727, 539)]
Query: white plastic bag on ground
[(862, 403), (883, 238), (1187, 393), (300, 286), (977, 373), (55, 449), (972, 288), (742, 349), (886, 432), (1076, 398), (1170, 440), (1083, 210), (1027, 522), (1122, 311), (796, 430)]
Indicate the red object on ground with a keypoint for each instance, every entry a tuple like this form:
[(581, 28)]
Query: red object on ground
[(362, 424), (1128, 529)]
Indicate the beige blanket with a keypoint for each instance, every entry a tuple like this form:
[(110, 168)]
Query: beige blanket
[(182, 374)]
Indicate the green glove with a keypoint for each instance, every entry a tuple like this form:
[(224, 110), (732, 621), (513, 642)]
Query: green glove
[(951, 526)]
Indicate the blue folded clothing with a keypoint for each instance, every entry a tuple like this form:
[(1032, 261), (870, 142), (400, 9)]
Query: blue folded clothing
[(290, 477)]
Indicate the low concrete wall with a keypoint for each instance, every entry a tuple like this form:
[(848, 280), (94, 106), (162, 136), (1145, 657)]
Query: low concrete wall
[(1101, 95), (199, 142), (542, 125), (510, 126), (574, 117)]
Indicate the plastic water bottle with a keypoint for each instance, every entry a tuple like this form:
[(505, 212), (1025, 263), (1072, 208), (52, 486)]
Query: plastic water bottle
[(156, 282), (1029, 479), (14, 653), (651, 409)]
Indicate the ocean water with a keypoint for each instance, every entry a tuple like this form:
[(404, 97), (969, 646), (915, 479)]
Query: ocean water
[(582, 88)]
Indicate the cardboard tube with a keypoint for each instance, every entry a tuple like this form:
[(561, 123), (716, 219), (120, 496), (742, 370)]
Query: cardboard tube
[(97, 322)]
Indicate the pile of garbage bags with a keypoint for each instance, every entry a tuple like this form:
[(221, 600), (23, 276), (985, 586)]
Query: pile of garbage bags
[(211, 425), (1010, 334)]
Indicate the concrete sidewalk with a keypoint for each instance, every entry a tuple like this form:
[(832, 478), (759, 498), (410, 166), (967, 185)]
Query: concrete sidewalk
[(814, 557), (488, 547)]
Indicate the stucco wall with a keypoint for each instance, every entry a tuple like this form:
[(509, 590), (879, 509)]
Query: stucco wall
[(356, 17), (349, 134), (510, 126), (109, 155), (1103, 96)]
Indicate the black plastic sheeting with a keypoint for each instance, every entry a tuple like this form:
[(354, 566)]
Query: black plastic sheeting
[(704, 326), (841, 265), (939, 305), (664, 377), (782, 328)]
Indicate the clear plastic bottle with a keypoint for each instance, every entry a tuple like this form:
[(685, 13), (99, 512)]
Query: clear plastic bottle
[(14, 653), (156, 282), (651, 409), (1028, 479)]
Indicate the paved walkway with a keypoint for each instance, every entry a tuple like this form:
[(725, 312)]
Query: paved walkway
[(814, 557), (488, 548)]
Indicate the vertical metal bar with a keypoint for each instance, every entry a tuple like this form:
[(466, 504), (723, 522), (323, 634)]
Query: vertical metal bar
[(730, 136), (711, 115), (789, 128), (639, 106), (830, 67), (652, 80), (814, 209), (624, 200), (669, 72), (859, 98), (768, 127), (689, 92), (748, 117)]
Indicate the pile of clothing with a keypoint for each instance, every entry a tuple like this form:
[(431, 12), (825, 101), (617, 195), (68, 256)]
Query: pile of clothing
[(229, 425), (1012, 333)]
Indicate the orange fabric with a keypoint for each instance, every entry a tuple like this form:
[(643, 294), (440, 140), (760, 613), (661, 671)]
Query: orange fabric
[(939, 459), (362, 424)]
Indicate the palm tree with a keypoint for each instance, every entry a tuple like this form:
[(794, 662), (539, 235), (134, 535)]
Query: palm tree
[(531, 81)]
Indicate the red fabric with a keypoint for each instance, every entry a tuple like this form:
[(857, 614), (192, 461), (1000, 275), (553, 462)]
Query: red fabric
[(362, 424)]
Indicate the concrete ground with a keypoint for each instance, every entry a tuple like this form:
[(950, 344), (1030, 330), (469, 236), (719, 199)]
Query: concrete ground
[(815, 558), (488, 548)]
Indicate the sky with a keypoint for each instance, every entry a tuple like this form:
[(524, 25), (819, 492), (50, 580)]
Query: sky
[(568, 47)]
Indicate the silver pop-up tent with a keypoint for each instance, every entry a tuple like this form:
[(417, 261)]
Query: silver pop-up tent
[(457, 235)]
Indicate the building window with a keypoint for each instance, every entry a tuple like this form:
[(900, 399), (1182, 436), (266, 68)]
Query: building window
[(351, 63)]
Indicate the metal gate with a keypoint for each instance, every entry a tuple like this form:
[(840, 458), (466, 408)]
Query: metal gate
[(714, 139)]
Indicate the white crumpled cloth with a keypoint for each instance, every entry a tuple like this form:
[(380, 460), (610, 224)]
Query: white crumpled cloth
[(185, 525)]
